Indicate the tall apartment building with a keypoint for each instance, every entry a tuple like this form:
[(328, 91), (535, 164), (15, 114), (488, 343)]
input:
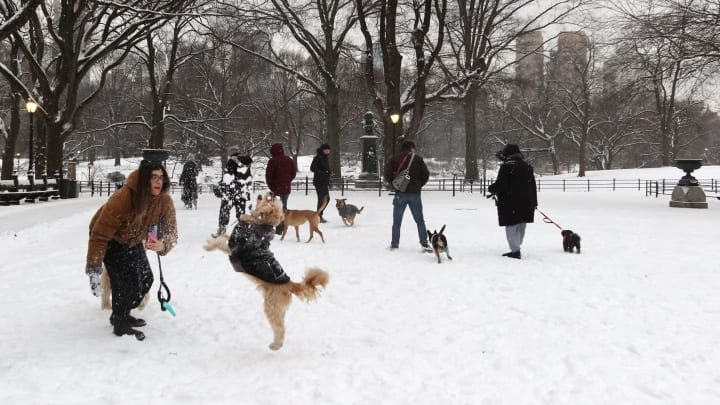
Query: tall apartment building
[(529, 72)]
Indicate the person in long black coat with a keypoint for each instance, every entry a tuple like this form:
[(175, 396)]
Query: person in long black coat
[(515, 194), (188, 179), (320, 167)]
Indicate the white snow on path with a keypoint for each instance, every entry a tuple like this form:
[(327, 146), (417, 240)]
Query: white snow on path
[(634, 319)]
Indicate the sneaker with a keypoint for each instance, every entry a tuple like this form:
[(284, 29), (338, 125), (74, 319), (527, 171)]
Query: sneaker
[(426, 247), (392, 248), (323, 220)]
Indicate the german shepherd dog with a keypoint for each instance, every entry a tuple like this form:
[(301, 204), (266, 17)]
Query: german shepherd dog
[(439, 244), (298, 217), (347, 211), (249, 250), (571, 241)]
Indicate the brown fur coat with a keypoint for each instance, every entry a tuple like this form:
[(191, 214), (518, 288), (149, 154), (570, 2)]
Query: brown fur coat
[(112, 221)]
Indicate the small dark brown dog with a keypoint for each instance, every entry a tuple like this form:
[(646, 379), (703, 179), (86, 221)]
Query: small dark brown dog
[(439, 244), (571, 241), (347, 211), (298, 217)]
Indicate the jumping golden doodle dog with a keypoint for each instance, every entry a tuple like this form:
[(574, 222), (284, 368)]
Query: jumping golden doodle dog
[(249, 249), (106, 299), (439, 244), (298, 217), (347, 211)]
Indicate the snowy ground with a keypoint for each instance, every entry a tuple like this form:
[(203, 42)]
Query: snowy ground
[(632, 320)]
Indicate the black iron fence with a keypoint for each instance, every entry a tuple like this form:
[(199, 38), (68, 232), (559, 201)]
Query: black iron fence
[(453, 185)]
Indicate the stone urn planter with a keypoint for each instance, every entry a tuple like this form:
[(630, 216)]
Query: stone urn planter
[(688, 166), (688, 193)]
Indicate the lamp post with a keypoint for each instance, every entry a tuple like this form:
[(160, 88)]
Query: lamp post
[(17, 161), (90, 166), (31, 107), (394, 118)]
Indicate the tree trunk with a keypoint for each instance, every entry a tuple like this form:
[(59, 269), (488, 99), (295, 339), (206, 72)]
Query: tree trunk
[(469, 106), (9, 158), (157, 135), (55, 142), (332, 114)]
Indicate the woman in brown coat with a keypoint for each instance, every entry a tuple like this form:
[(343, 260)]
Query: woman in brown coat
[(141, 212)]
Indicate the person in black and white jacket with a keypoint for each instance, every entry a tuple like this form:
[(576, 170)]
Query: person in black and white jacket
[(233, 189)]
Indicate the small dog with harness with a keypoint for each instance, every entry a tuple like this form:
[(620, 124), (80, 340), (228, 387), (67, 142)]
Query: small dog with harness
[(439, 244), (571, 241)]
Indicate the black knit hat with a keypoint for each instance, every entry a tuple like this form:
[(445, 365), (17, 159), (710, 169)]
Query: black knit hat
[(510, 149), (246, 160), (324, 146)]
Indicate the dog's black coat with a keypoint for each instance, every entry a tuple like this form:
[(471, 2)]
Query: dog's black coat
[(250, 246), (571, 241)]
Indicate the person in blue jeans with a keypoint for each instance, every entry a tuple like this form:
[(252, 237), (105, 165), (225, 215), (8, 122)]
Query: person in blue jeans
[(411, 197)]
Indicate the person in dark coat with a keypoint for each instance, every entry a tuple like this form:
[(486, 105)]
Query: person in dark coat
[(188, 179), (419, 176), (279, 174), (320, 167), (515, 194), (233, 189)]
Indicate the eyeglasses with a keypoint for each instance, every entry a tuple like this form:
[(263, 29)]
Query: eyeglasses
[(156, 177)]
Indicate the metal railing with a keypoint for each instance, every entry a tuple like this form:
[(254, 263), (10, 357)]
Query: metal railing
[(453, 185)]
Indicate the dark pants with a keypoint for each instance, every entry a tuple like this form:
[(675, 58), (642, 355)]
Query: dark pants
[(130, 276), (226, 206), (284, 198), (322, 193)]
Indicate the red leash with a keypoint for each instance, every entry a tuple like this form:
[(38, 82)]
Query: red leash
[(547, 219)]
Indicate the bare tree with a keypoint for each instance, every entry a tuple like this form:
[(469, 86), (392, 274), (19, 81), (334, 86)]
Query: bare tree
[(401, 27), (664, 42), (62, 45), (319, 28), (480, 34)]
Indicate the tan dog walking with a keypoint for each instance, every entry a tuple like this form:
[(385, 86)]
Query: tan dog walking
[(298, 217)]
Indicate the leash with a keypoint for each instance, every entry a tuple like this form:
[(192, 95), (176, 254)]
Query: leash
[(164, 302), (547, 219)]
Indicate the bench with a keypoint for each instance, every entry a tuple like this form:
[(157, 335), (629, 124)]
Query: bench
[(12, 192)]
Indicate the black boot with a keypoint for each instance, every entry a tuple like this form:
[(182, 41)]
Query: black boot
[(122, 325), (514, 255), (120, 330), (135, 322)]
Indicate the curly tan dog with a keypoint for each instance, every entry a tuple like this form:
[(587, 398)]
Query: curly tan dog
[(249, 251)]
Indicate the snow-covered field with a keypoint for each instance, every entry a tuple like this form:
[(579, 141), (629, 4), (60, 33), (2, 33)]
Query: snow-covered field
[(634, 319)]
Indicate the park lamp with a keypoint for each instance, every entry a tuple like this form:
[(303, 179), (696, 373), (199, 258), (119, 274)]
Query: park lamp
[(31, 106), (394, 117)]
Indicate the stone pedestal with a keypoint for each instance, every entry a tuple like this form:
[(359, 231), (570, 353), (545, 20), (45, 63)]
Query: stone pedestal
[(369, 177), (688, 197)]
